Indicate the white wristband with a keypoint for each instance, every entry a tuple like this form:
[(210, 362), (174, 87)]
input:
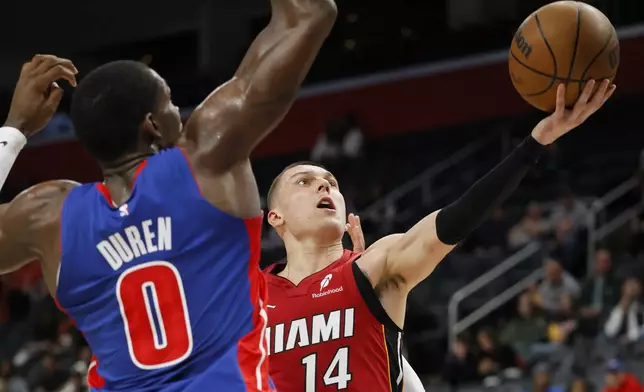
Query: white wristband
[(11, 142)]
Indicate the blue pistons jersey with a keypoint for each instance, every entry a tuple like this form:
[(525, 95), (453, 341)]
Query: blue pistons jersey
[(166, 288)]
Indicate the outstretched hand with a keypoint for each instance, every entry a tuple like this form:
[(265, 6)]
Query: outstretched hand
[(37, 94), (564, 120), (355, 233)]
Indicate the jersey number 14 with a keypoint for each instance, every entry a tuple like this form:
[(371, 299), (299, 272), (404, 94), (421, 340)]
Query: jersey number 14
[(155, 315), (336, 374)]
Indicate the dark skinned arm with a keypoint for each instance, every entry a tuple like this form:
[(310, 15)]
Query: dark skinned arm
[(225, 128), (30, 226)]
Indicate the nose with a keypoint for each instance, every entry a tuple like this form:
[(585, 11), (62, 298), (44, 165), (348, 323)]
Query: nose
[(324, 185)]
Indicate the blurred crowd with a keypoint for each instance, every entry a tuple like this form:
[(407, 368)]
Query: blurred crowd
[(572, 331), (41, 351)]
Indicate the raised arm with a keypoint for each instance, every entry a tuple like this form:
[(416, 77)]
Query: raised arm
[(35, 100), (410, 258), (225, 128)]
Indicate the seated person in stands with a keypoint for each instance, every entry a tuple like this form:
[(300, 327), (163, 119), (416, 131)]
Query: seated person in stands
[(618, 380), (542, 379), (460, 365), (526, 332), (494, 357), (626, 320), (599, 294), (579, 384), (569, 212), (531, 227), (555, 296)]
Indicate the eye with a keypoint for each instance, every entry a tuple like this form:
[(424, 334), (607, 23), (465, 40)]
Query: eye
[(333, 183), (303, 181)]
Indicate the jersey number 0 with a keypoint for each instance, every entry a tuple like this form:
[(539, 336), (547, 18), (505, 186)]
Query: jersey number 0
[(155, 315)]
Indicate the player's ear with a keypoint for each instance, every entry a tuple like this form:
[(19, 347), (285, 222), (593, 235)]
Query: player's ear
[(150, 130), (275, 218)]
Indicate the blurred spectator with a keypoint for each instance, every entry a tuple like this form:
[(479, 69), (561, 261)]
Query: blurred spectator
[(524, 331), (460, 366), (531, 227), (47, 377), (599, 293), (9, 382), (542, 379), (626, 320), (493, 356), (555, 295), (76, 383), (340, 146), (617, 380), (569, 212), (579, 384)]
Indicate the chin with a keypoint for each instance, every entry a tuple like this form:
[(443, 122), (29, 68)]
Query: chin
[(332, 230)]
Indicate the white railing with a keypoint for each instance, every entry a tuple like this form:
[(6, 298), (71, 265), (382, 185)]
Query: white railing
[(597, 209), (456, 326), (595, 234)]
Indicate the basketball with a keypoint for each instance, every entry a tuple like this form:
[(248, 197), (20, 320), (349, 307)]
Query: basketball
[(563, 42)]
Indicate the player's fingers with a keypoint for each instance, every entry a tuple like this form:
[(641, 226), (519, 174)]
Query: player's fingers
[(48, 61), (599, 95), (55, 73), (357, 225), (359, 232), (595, 102), (34, 63), (609, 93), (598, 98), (560, 107), (580, 105), (55, 95)]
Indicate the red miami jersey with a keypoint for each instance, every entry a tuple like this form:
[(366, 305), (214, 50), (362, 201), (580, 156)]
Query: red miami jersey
[(331, 333)]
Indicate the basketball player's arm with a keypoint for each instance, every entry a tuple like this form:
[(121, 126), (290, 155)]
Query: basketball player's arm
[(239, 114), (30, 220), (414, 255), (410, 257), (30, 109), (12, 141)]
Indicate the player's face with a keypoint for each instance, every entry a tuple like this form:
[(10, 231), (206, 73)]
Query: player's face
[(166, 119), (310, 202)]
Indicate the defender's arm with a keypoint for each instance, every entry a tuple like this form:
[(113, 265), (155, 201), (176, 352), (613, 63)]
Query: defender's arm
[(27, 221), (235, 118)]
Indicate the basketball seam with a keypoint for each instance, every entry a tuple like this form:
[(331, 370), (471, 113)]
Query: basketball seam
[(576, 44), (557, 78), (583, 75), (553, 77)]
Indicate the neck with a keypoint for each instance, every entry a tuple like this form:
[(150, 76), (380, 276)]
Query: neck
[(125, 165), (118, 175), (306, 258)]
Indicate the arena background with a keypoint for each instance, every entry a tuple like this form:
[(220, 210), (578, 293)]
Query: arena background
[(409, 103)]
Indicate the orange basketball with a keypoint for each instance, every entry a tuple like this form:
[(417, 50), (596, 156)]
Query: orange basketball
[(563, 42)]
